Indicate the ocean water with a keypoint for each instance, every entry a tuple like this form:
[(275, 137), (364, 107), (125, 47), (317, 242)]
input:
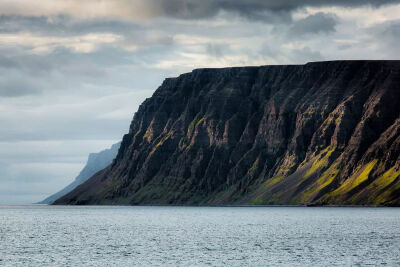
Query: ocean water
[(198, 236)]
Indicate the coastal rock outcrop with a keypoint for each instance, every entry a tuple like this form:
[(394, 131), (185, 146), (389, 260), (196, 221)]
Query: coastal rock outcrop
[(323, 133)]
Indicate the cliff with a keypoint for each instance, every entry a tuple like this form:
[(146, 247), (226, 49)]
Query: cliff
[(320, 133), (95, 163)]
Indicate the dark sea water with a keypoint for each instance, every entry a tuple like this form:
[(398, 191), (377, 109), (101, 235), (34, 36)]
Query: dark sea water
[(198, 236)]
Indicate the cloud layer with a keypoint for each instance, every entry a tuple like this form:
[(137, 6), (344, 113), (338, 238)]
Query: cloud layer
[(180, 9)]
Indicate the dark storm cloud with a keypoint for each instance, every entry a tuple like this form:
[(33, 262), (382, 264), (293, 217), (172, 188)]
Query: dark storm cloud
[(64, 25), (266, 10), (252, 9), (313, 24)]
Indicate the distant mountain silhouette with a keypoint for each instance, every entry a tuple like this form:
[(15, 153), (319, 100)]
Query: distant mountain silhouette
[(95, 163)]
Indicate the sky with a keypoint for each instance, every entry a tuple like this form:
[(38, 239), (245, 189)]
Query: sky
[(72, 72)]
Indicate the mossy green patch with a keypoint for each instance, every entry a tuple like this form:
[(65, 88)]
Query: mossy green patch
[(287, 166), (165, 138), (309, 111), (221, 194), (380, 184), (194, 123), (153, 191), (388, 194), (191, 125), (272, 181), (323, 181), (199, 122), (356, 179), (137, 133), (328, 120), (257, 201), (160, 143), (320, 162), (387, 178), (254, 166)]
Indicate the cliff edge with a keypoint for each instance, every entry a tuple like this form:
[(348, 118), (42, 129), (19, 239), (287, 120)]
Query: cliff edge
[(323, 133)]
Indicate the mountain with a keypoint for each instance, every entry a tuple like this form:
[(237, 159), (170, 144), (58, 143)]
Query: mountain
[(95, 163), (323, 133)]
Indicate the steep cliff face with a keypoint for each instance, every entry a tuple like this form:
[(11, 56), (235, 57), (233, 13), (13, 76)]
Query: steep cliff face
[(95, 163), (319, 133)]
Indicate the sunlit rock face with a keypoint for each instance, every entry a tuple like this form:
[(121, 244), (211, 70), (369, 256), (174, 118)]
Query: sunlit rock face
[(320, 133)]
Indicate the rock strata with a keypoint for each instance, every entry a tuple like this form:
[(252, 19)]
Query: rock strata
[(323, 133)]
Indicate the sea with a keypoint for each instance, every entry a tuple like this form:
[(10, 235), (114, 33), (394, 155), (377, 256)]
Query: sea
[(40, 235)]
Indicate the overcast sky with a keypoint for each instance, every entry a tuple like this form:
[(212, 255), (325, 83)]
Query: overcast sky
[(72, 73)]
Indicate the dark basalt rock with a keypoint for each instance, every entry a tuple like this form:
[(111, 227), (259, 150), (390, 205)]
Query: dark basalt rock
[(316, 134)]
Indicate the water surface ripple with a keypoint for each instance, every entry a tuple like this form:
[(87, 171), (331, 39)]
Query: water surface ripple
[(198, 236)]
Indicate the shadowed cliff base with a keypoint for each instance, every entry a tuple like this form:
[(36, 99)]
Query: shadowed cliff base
[(323, 133)]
